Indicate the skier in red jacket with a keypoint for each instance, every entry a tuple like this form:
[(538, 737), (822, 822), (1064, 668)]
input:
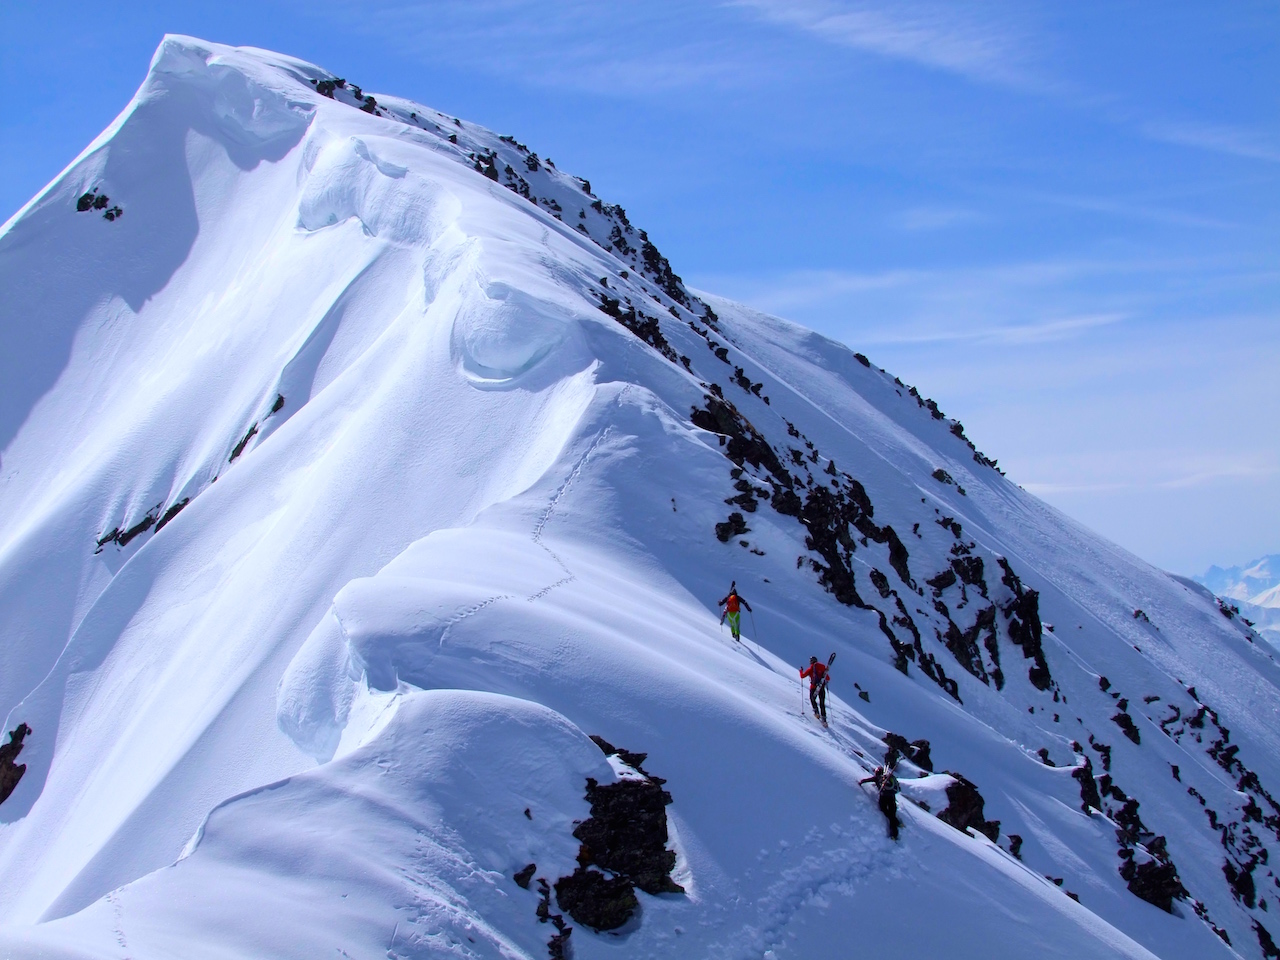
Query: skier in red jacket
[(817, 674), (731, 602)]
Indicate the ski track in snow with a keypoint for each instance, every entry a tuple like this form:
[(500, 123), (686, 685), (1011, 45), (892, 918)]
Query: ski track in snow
[(547, 514)]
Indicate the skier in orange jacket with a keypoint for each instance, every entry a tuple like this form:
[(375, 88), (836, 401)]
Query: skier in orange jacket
[(731, 602)]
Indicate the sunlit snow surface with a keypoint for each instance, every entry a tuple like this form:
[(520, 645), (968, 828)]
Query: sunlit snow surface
[(305, 717)]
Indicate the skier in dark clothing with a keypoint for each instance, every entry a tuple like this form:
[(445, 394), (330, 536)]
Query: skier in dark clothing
[(887, 785), (818, 677), (731, 602)]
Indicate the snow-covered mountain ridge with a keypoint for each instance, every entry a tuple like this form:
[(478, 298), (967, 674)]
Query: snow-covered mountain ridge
[(361, 465)]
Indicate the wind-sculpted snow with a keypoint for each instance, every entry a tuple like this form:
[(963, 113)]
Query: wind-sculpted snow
[(502, 332), (346, 179), (352, 856), (366, 465)]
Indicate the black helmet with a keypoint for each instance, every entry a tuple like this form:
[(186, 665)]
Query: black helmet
[(813, 659)]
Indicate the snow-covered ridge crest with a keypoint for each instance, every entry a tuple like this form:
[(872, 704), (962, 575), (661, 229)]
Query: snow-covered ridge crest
[(363, 464)]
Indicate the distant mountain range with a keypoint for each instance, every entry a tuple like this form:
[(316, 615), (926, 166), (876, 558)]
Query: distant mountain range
[(1257, 582), (1254, 588)]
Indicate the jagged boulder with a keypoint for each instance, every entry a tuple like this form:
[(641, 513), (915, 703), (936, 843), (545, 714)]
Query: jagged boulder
[(965, 809), (1155, 881), (625, 837), (596, 901), (1089, 796), (10, 772), (627, 833), (917, 751)]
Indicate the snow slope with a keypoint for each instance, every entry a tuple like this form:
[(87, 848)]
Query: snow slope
[(365, 464)]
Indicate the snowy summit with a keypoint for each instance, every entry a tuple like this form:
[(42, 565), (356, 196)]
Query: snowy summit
[(368, 489)]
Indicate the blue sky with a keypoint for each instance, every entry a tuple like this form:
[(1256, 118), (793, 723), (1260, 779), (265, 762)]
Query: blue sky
[(1060, 220)]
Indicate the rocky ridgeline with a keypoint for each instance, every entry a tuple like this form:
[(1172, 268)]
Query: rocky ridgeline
[(511, 164), (838, 518)]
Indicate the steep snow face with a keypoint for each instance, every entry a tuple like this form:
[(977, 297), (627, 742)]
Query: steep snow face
[(359, 467)]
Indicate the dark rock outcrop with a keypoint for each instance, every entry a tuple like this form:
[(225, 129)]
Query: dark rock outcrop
[(917, 751), (624, 846), (965, 809), (1089, 796), (596, 901), (10, 772), (1125, 723), (627, 833), (735, 526), (172, 512), (1023, 613), (242, 443), (1265, 942), (1155, 881)]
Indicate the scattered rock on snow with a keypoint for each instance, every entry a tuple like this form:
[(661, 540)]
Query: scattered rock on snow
[(735, 526), (558, 945), (93, 200), (524, 876)]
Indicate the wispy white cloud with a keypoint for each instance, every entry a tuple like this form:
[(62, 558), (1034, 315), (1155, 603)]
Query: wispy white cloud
[(1130, 210), (1218, 138), (1143, 475), (991, 291), (580, 45), (1044, 331), (924, 219), (942, 36)]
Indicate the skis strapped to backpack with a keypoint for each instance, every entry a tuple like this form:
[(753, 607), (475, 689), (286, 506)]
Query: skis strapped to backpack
[(826, 677)]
